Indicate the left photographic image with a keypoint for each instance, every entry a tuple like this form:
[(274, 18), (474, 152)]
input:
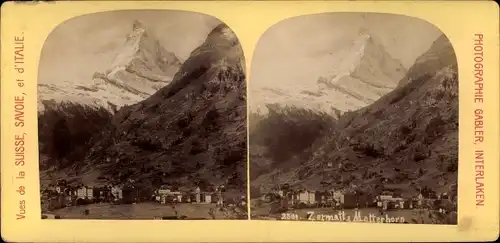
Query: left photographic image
[(142, 115)]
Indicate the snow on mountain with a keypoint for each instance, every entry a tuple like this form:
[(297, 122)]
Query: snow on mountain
[(138, 71), (358, 74)]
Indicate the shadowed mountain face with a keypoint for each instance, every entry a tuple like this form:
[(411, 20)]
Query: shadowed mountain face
[(408, 138), (191, 131)]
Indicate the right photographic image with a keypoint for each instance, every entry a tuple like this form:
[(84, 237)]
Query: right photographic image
[(353, 117)]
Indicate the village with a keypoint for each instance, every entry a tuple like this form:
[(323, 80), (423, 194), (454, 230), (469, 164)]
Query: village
[(285, 199), (63, 195)]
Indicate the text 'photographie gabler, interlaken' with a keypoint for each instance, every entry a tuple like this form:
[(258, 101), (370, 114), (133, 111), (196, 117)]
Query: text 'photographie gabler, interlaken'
[(354, 118), (479, 119), (142, 115)]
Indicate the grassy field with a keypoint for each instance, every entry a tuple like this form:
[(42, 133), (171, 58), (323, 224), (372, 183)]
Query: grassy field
[(404, 215), (140, 211)]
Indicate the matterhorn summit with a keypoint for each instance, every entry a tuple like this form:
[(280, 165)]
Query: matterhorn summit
[(143, 55), (366, 71), (141, 68), (354, 73)]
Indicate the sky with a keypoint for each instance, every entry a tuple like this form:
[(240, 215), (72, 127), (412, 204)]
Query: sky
[(295, 48), (301, 47), (79, 47)]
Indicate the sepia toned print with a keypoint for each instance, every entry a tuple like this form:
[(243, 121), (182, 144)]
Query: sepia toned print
[(354, 118), (142, 115)]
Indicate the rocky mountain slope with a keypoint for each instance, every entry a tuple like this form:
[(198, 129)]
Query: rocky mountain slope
[(192, 131), (142, 68), (359, 73), (407, 139)]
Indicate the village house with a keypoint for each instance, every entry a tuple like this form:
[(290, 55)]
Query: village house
[(163, 199), (390, 202), (60, 186), (307, 196), (206, 197), (176, 196), (81, 192), (117, 192), (197, 193), (338, 197), (104, 193), (384, 200), (327, 198), (311, 197), (269, 197), (163, 190), (220, 190), (398, 203), (165, 195), (60, 189), (90, 192)]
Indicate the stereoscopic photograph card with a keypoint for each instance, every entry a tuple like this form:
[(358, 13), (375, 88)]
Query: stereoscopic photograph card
[(275, 121)]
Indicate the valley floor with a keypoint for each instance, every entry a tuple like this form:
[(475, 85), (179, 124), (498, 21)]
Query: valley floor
[(144, 211)]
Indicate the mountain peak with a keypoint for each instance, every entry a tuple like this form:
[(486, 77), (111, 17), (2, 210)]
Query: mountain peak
[(364, 32), (364, 71), (222, 33), (139, 32), (364, 40), (143, 44), (142, 66), (137, 25)]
